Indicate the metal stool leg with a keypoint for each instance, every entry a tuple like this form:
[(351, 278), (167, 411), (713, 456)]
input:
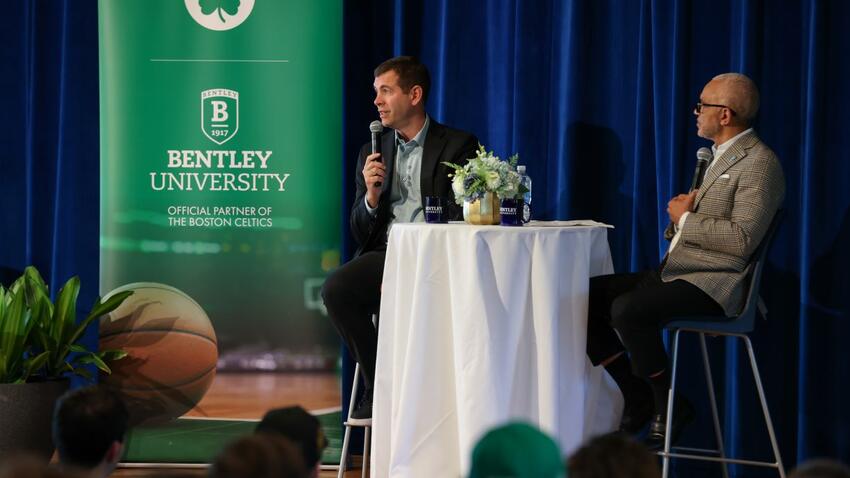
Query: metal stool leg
[(709, 380), (665, 469), (343, 462), (344, 453), (366, 443), (343, 457), (763, 401), (667, 454)]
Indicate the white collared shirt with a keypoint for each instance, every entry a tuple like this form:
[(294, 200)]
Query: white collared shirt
[(717, 151)]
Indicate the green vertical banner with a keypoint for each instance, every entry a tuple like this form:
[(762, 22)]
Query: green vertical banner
[(220, 145)]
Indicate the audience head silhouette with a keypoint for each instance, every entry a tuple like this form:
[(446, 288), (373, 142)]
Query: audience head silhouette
[(821, 468), (301, 428), (261, 455), (89, 425), (26, 466), (612, 456)]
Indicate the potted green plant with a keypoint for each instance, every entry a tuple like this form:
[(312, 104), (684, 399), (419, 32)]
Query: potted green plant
[(39, 347)]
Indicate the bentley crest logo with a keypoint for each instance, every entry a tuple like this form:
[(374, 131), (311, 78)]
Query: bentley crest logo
[(220, 114)]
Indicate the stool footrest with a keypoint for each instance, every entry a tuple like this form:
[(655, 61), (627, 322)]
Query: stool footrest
[(704, 451), (358, 422), (719, 460)]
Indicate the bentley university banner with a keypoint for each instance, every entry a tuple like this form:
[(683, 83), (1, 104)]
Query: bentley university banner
[(220, 144)]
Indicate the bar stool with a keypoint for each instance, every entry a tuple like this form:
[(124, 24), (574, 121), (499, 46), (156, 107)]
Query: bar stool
[(738, 327), (365, 423)]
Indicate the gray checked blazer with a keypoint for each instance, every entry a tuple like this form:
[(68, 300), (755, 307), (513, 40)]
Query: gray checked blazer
[(732, 211)]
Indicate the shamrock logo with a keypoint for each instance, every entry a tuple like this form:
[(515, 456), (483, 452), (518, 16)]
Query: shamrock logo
[(219, 15), (208, 7)]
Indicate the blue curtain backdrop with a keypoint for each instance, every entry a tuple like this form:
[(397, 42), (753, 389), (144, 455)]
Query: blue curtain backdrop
[(49, 144), (595, 95)]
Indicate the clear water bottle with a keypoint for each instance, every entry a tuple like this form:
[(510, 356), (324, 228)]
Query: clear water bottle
[(525, 180)]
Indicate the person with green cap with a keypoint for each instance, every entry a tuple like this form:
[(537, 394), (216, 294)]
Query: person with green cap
[(516, 450)]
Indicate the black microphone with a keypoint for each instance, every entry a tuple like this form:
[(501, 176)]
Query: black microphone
[(703, 158), (376, 128)]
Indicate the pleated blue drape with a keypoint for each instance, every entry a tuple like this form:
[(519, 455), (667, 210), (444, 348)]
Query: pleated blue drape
[(49, 143)]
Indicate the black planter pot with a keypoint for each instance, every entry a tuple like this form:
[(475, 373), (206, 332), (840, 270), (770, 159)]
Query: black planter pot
[(26, 411)]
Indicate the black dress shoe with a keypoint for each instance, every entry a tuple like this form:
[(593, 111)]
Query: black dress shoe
[(363, 410), (683, 414)]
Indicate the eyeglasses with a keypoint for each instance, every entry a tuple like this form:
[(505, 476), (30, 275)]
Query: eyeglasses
[(698, 108)]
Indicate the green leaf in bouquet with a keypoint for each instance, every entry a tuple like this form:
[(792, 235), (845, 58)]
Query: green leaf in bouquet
[(453, 166)]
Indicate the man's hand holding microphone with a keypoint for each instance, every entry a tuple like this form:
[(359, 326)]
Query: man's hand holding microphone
[(681, 204), (685, 202), (374, 169)]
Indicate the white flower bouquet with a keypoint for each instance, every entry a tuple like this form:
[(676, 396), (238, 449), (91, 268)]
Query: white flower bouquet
[(486, 173)]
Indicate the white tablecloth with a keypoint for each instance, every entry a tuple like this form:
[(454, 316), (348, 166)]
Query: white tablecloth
[(480, 325)]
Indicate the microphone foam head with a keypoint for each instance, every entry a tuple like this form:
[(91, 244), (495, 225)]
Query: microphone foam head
[(704, 154), (376, 126)]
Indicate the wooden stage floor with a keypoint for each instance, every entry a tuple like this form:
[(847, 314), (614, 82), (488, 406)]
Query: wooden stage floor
[(250, 395)]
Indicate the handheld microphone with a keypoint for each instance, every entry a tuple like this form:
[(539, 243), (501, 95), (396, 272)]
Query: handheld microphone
[(375, 127), (703, 158)]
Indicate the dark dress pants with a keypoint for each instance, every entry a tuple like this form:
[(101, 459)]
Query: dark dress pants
[(638, 305), (352, 293)]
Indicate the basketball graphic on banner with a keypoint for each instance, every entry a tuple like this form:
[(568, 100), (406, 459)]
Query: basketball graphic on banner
[(172, 351)]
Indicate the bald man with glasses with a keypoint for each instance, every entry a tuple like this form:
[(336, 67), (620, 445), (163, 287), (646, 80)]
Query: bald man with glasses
[(713, 231)]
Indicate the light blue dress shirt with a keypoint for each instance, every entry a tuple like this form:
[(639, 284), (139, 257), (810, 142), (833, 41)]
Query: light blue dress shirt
[(406, 192)]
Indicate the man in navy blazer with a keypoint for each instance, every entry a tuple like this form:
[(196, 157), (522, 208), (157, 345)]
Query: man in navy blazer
[(391, 188)]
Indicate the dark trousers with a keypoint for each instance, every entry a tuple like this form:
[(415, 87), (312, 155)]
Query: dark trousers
[(638, 305), (352, 293)]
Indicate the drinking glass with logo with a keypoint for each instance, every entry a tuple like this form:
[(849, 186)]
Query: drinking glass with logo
[(434, 210), (511, 211)]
